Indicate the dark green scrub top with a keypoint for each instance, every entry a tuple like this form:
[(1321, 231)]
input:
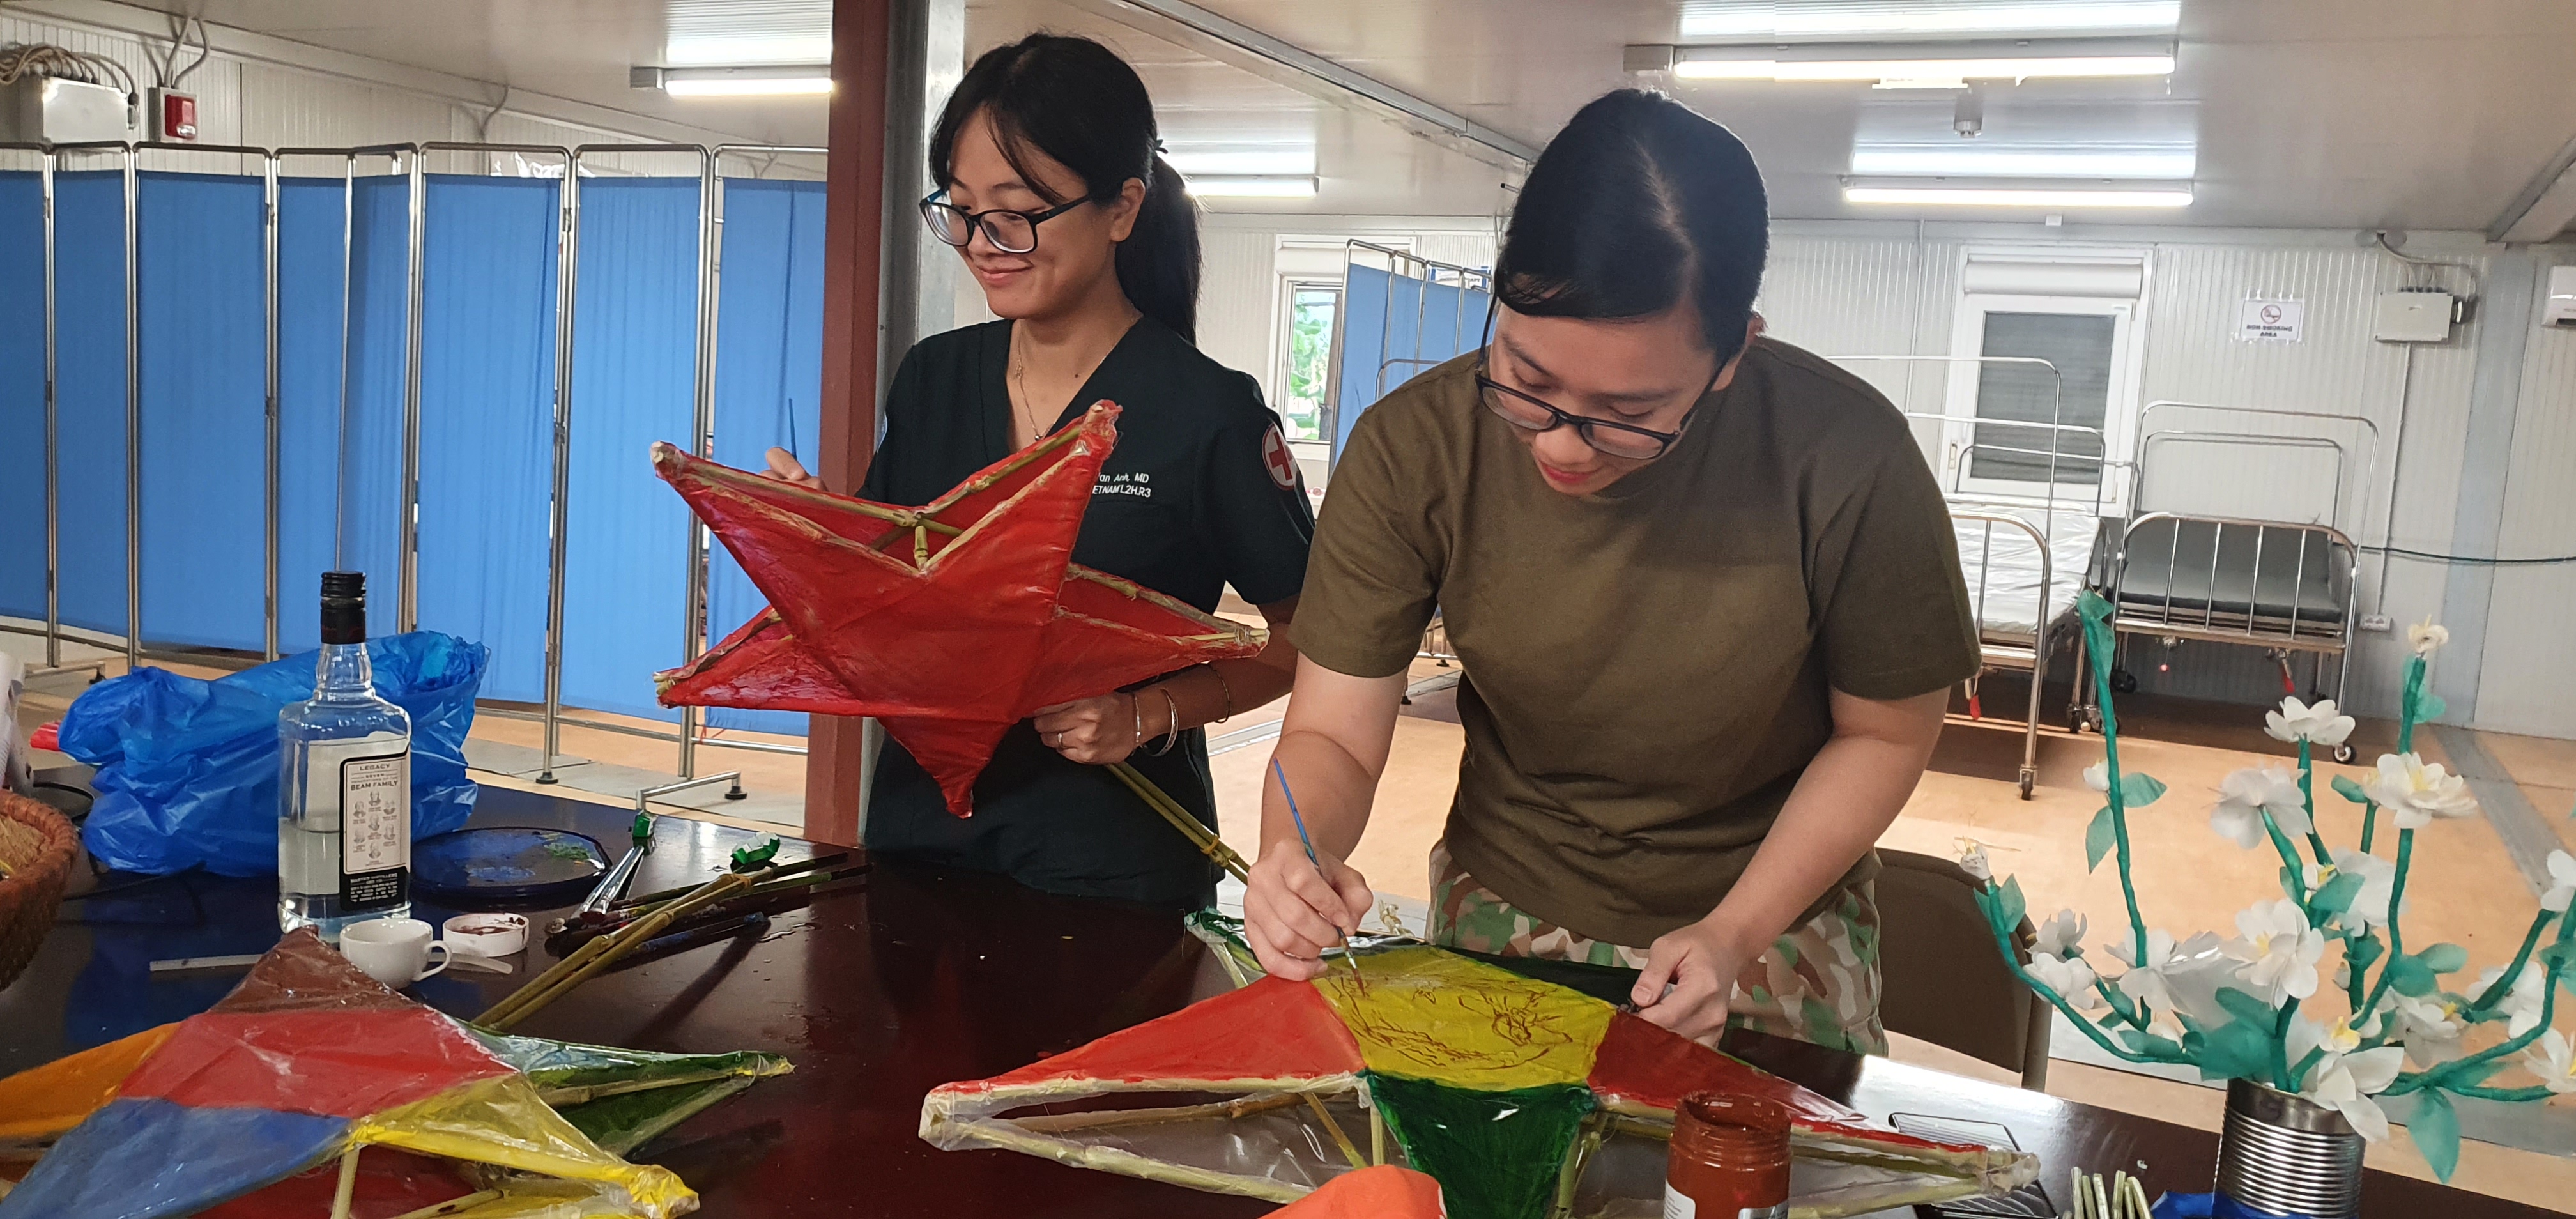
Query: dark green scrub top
[(1200, 493)]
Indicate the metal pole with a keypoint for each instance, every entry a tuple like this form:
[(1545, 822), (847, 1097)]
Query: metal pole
[(567, 276), (269, 260), (53, 442), (694, 613), (133, 430), (407, 569), (348, 292)]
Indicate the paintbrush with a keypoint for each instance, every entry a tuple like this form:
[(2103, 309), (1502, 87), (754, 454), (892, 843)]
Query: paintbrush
[(1311, 857)]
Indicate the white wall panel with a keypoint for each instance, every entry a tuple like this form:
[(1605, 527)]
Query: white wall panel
[(1238, 293), (2530, 664), (291, 109)]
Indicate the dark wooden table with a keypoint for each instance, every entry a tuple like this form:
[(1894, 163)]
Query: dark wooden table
[(915, 978)]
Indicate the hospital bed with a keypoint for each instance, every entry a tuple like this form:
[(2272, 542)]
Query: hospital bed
[(2287, 586)]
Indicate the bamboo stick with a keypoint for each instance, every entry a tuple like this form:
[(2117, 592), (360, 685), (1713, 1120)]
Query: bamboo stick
[(598, 954), (1190, 827), (1111, 1119), (348, 1188), (1349, 1151)]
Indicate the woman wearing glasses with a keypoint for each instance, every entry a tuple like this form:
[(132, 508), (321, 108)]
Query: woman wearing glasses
[(1704, 588), (1087, 248)]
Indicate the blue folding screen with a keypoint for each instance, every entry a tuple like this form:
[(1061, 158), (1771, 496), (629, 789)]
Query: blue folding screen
[(769, 371), (486, 410), (1394, 328), (89, 387), (370, 468), (634, 361), (22, 397)]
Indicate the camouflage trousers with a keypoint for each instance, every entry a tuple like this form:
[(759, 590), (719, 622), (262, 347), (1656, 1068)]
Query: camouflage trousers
[(1818, 984)]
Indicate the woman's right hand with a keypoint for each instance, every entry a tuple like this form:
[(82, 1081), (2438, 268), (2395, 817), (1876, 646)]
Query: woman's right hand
[(784, 467), (1292, 913)]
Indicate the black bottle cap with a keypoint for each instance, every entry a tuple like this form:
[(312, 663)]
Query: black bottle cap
[(344, 607)]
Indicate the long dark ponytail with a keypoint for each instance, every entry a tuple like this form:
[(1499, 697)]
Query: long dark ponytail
[(1076, 101)]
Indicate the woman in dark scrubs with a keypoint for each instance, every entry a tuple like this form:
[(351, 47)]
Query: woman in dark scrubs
[(1087, 248)]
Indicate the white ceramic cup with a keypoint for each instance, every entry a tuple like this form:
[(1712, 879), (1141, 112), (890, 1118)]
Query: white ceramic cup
[(394, 951)]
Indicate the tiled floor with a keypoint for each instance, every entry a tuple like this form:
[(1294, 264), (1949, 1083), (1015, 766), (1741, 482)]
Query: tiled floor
[(2465, 888)]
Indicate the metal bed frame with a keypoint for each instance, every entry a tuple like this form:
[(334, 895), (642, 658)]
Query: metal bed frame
[(2157, 602), (2013, 514), (1435, 637), (411, 161)]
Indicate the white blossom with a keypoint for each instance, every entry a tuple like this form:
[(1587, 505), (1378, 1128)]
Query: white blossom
[(2279, 950), (2307, 1036), (2297, 721), (2426, 636), (1975, 863), (2418, 791), (2069, 978), (2060, 935), (2243, 798), (2562, 881), (2520, 1004), (2369, 906), (2346, 1082), (2430, 1027), (2554, 1061), (2151, 981), (2098, 776)]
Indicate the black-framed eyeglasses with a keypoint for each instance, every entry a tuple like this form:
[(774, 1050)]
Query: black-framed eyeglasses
[(1011, 232), (1530, 414)]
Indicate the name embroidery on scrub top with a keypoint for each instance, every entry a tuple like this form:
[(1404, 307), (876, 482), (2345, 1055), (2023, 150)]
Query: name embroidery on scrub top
[(1137, 485)]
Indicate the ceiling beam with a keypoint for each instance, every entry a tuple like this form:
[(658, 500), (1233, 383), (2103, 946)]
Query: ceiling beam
[(1226, 40), (2545, 207)]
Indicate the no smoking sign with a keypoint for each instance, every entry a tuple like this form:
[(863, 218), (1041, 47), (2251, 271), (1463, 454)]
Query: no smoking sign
[(2272, 321)]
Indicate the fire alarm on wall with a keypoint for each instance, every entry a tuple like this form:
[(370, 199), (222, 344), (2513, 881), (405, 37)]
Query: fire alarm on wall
[(174, 116)]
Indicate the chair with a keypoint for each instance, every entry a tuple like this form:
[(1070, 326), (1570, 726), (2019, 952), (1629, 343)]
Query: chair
[(1940, 978)]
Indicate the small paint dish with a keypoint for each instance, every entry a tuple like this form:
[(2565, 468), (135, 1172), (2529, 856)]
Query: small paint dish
[(487, 935)]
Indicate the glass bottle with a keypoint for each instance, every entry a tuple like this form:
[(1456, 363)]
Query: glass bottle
[(1730, 1159), (344, 783)]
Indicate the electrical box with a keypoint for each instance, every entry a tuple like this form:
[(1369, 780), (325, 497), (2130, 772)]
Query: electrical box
[(43, 110), (2414, 316), (174, 116), (2559, 307)]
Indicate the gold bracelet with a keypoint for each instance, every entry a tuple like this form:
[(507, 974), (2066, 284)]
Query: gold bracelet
[(1228, 688), (1173, 736)]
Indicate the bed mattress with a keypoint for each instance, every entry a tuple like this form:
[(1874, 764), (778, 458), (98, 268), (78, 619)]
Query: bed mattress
[(2002, 567)]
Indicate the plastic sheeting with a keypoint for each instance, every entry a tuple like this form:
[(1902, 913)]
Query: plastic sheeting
[(1394, 328), (187, 769)]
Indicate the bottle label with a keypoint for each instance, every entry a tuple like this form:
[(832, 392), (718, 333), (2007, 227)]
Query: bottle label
[(1679, 1205), (375, 831)]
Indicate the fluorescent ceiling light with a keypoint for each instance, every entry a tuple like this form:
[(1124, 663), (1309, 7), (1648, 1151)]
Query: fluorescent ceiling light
[(714, 32), (2049, 197), (1252, 186), (1925, 73), (1274, 161), (750, 80), (2024, 162), (722, 49), (1790, 19)]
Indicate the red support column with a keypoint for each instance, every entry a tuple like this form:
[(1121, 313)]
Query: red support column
[(853, 247)]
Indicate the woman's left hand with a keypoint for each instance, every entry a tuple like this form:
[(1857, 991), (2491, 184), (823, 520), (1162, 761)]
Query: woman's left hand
[(1092, 731), (1688, 980)]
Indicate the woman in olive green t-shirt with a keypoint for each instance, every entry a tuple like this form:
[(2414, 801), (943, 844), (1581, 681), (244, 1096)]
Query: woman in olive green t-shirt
[(1705, 591)]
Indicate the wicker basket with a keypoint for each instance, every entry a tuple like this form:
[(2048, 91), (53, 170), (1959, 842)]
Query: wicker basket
[(36, 849)]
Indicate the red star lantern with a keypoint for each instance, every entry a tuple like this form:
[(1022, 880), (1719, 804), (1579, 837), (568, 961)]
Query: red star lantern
[(948, 623)]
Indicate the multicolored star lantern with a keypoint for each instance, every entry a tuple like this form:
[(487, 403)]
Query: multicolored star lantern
[(1523, 1098), (948, 623)]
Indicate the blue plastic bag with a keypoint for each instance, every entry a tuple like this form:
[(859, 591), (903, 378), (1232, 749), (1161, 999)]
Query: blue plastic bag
[(187, 769)]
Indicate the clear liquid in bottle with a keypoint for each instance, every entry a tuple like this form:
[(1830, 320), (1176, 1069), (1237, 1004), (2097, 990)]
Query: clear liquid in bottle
[(344, 783)]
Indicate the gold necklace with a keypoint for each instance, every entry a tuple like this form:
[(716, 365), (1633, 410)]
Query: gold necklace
[(1022, 410)]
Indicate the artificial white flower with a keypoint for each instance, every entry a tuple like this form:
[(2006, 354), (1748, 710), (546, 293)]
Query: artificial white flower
[(1975, 863), (2346, 1082), (2562, 881), (2307, 1035), (2246, 795), (2069, 978), (2098, 776), (2279, 950), (2427, 635), (2151, 981), (2430, 1027), (2554, 1061), (2060, 935), (2521, 1004), (2297, 721), (2369, 906), (2418, 791)]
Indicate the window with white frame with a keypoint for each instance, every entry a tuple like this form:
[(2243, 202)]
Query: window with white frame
[(1305, 377), (2045, 373)]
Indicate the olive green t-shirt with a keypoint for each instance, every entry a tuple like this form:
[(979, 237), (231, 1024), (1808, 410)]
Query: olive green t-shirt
[(1645, 669)]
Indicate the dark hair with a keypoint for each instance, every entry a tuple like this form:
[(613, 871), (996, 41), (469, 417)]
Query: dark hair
[(1076, 101), (1635, 202)]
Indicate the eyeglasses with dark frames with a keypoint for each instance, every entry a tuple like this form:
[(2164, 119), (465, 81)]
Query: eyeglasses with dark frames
[(1011, 232), (1530, 414)]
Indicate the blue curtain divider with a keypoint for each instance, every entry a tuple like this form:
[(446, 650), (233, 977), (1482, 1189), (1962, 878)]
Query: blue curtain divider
[(486, 419), (310, 290), (369, 469), (89, 355), (22, 396), (769, 372), (1395, 328)]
